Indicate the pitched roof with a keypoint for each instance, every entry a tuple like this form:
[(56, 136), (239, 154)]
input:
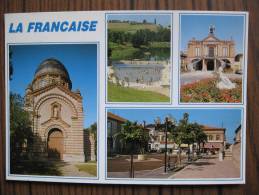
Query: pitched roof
[(210, 38), (116, 117), (206, 127)]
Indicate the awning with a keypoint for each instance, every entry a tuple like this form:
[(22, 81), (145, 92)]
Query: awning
[(213, 145)]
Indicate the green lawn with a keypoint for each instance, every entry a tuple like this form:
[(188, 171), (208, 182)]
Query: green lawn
[(89, 167), (160, 45), (124, 94), (125, 52)]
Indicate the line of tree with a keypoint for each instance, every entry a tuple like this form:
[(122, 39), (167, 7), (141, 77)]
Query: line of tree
[(140, 37)]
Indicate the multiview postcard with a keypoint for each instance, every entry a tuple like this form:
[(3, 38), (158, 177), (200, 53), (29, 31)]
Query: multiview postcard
[(126, 97)]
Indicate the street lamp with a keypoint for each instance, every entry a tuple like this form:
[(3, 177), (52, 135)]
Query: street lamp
[(165, 131), (168, 123)]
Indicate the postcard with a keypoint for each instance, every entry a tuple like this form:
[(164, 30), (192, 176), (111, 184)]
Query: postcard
[(126, 97)]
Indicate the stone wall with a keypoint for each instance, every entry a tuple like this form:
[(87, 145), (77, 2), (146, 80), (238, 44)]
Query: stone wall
[(89, 146), (236, 152)]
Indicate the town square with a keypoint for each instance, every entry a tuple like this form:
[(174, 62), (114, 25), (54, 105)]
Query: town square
[(174, 143)]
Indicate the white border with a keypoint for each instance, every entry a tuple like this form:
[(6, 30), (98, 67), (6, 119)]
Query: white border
[(103, 105)]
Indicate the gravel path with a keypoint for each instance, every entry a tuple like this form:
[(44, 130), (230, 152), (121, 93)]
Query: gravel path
[(191, 77)]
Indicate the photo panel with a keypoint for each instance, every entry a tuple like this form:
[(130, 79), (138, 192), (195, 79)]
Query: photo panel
[(212, 58), (139, 60), (53, 110), (189, 145)]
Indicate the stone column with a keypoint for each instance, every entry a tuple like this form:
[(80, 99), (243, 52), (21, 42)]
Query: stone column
[(215, 64), (204, 66)]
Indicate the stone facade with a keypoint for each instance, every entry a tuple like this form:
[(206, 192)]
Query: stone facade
[(209, 54), (216, 138), (56, 112), (114, 123), (236, 147)]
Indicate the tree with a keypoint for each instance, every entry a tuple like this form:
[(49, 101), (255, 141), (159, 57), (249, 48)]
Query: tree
[(93, 131), (180, 133), (133, 136), (200, 136), (10, 64), (21, 134)]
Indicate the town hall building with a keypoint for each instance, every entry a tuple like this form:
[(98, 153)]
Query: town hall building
[(56, 112), (210, 53)]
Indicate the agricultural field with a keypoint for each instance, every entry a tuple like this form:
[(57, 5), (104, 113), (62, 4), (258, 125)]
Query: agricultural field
[(132, 28)]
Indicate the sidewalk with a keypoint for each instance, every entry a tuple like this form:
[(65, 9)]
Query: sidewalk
[(156, 173), (209, 168)]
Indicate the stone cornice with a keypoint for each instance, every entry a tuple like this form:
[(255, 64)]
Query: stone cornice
[(52, 86), (55, 121)]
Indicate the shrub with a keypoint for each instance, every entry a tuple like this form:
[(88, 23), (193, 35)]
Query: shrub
[(206, 91)]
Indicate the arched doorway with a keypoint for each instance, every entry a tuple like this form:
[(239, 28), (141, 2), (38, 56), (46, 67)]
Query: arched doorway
[(197, 64), (227, 65), (210, 65), (55, 144)]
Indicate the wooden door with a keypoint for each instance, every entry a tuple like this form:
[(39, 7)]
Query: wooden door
[(55, 144)]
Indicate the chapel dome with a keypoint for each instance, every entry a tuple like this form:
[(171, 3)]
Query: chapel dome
[(52, 66)]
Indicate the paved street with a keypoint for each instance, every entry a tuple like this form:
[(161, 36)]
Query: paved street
[(209, 168), (191, 77)]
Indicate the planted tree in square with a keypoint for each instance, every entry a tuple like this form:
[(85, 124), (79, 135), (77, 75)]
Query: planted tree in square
[(133, 136)]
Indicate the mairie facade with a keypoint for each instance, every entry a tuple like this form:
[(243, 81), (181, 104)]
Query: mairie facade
[(56, 112), (210, 53)]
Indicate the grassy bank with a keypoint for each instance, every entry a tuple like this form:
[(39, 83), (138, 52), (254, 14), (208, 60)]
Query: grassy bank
[(124, 94), (128, 52), (88, 168)]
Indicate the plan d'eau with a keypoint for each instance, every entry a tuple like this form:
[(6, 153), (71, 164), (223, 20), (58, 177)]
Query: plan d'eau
[(16, 28)]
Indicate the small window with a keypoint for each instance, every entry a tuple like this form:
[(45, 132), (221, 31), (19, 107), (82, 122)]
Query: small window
[(217, 137), (210, 137)]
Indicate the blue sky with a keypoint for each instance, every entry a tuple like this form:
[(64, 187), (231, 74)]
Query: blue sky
[(228, 118), (197, 26), (164, 20), (80, 61)]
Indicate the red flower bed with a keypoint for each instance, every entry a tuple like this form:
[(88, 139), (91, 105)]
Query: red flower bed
[(206, 91)]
